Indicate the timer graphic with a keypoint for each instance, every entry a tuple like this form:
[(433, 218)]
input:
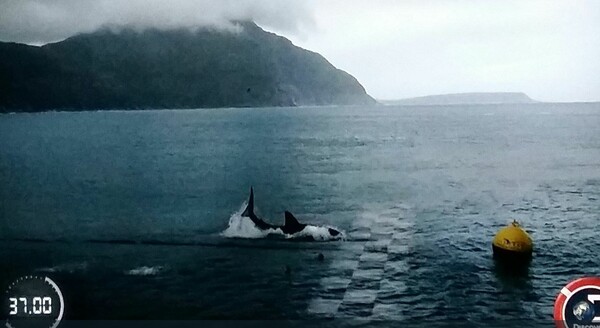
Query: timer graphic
[(33, 302)]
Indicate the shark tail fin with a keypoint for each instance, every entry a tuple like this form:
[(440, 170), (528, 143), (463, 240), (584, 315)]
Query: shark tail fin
[(290, 221), (249, 211)]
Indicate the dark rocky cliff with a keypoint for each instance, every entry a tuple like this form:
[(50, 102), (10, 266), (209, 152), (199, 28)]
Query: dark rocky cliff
[(171, 69)]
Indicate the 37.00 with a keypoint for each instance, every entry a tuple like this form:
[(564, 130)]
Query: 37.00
[(41, 305)]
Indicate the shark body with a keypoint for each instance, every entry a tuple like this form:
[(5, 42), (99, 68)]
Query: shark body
[(290, 226)]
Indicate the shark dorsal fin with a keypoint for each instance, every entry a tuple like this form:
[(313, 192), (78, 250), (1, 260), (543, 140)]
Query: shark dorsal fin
[(290, 221), (249, 211)]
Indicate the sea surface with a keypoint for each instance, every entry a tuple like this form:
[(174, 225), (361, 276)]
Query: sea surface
[(126, 210)]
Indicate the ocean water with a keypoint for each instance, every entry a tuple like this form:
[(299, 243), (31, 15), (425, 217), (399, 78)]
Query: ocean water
[(126, 210)]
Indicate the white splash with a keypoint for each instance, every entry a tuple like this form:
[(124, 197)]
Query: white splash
[(144, 271), (243, 227), (317, 233), (65, 268)]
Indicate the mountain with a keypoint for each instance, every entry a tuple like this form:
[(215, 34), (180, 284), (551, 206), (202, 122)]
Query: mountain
[(207, 67), (466, 98)]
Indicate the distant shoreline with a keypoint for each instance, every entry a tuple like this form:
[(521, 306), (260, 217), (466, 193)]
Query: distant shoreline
[(388, 104), (80, 110), (380, 104)]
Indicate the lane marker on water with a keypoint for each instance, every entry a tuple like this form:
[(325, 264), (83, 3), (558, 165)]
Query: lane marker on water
[(363, 284)]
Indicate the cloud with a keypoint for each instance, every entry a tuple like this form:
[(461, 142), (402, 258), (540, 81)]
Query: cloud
[(398, 49), (546, 48), (42, 21)]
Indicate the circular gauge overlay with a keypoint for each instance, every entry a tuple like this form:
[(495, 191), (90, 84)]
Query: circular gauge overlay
[(578, 304), (32, 302)]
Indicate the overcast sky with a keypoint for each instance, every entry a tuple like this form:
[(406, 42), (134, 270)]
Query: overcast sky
[(546, 48)]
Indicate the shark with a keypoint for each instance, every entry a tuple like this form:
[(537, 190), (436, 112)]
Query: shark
[(290, 226)]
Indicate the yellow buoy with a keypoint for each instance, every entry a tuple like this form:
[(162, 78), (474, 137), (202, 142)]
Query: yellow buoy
[(512, 243)]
